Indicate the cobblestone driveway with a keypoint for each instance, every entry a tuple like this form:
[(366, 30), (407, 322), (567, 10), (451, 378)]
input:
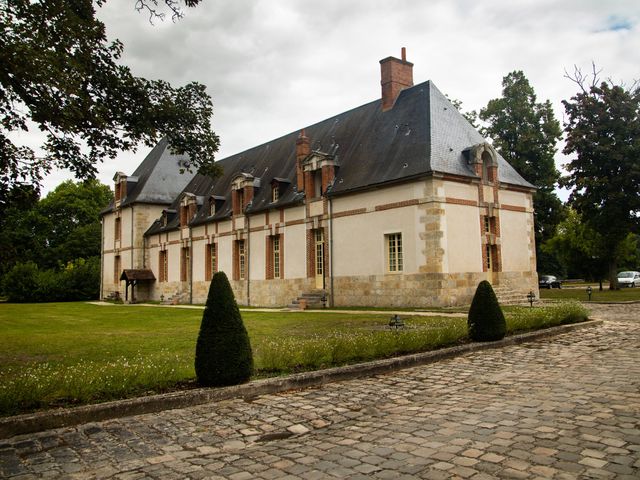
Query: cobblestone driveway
[(566, 407)]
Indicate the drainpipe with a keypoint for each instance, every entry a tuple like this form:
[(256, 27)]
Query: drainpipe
[(190, 266), (248, 260), (132, 244), (102, 258), (331, 304)]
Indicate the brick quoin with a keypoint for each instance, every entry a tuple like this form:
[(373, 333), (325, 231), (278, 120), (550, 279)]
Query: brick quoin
[(328, 174)]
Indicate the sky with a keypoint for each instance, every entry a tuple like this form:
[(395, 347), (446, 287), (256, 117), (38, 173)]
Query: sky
[(275, 66)]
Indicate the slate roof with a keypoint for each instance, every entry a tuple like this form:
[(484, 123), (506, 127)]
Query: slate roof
[(422, 134), (159, 180)]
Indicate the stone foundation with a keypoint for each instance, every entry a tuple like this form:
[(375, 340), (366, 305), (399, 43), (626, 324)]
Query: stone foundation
[(416, 290), (425, 289)]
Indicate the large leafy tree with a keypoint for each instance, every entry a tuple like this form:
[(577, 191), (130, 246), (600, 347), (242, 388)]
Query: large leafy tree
[(603, 133), (60, 75), (72, 213), (525, 133), (53, 231)]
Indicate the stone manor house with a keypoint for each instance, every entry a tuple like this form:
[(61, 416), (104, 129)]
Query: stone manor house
[(398, 202)]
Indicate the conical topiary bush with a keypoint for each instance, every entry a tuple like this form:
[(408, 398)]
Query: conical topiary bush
[(223, 350), (486, 321)]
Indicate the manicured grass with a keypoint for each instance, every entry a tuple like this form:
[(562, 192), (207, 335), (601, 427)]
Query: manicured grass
[(70, 353), (580, 294)]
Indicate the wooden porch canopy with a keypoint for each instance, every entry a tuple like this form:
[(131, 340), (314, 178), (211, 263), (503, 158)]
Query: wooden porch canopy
[(133, 277)]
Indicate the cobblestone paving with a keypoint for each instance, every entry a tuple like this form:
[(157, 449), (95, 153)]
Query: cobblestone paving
[(566, 407)]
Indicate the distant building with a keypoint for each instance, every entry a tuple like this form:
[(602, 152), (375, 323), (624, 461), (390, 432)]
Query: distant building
[(398, 202)]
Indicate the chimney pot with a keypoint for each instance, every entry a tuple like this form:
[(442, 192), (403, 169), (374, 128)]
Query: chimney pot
[(404, 54)]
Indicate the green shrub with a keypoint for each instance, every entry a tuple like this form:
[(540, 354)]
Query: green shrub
[(486, 321), (525, 318), (223, 351), (21, 283)]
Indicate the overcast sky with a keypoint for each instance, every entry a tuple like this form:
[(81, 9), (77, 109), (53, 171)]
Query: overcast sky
[(275, 66)]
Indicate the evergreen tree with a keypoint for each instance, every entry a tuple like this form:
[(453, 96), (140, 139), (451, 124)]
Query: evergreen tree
[(486, 321), (525, 133), (223, 350), (603, 131)]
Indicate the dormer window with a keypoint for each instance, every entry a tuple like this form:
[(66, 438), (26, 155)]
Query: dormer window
[(484, 161), (188, 208), (242, 190), (278, 185), (319, 173), (215, 203), (120, 186)]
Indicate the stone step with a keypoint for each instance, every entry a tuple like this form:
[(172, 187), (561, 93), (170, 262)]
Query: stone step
[(306, 300)]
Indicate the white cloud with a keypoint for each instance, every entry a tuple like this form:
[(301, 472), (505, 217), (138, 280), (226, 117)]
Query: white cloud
[(275, 66)]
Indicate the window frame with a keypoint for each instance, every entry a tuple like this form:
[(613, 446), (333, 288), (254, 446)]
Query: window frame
[(394, 253)]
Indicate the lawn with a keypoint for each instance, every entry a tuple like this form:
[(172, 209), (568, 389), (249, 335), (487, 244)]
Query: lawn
[(73, 353), (580, 294)]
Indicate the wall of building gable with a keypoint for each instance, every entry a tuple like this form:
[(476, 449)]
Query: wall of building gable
[(361, 241), (379, 197), (292, 214), (462, 237), (257, 245), (516, 245), (514, 198), (460, 191), (295, 250)]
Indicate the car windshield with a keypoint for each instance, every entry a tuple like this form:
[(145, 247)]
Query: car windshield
[(625, 275), (546, 278)]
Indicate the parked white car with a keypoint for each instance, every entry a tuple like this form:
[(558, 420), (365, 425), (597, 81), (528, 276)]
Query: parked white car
[(629, 279)]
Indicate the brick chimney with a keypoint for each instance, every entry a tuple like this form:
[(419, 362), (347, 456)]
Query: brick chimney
[(303, 149), (396, 75)]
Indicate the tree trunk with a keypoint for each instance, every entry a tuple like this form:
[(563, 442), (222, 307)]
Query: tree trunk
[(613, 275)]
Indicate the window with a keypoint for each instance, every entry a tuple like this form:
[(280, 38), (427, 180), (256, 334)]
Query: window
[(212, 207), (319, 241), (242, 260), (275, 193), (184, 264), (276, 256), (117, 265), (163, 266), (487, 224), (212, 260), (118, 229), (394, 252), (488, 257)]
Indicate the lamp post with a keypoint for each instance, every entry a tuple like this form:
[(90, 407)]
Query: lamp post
[(589, 290), (531, 297)]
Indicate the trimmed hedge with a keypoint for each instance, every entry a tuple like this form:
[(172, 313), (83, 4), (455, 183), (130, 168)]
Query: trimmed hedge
[(223, 350), (486, 321)]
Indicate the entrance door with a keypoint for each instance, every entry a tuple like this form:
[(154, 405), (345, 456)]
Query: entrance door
[(319, 258)]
